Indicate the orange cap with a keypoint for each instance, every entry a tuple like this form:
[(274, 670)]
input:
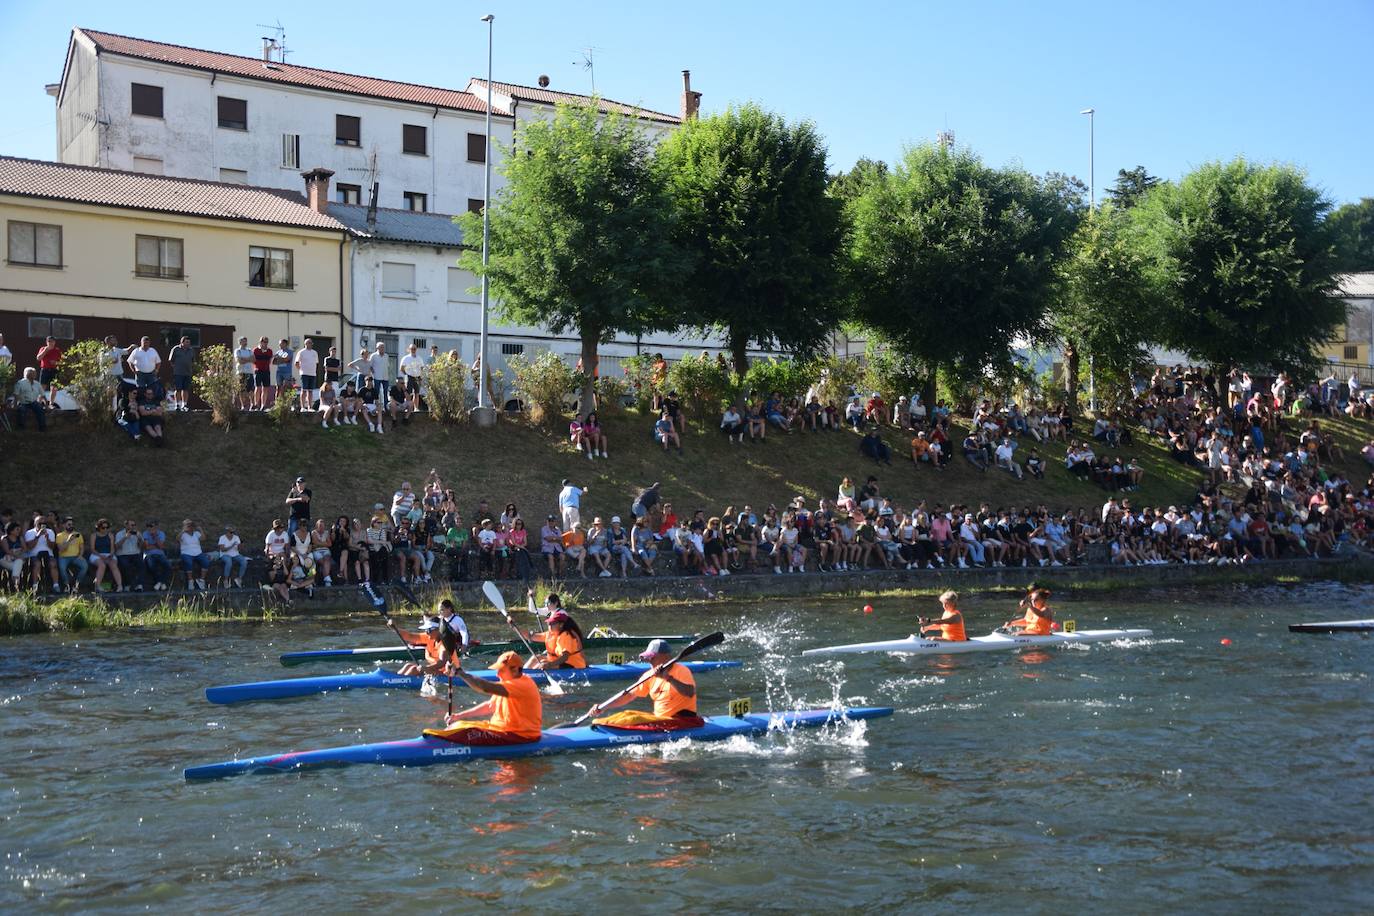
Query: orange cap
[(507, 660)]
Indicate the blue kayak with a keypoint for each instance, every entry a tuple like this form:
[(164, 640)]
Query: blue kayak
[(306, 686), (427, 750)]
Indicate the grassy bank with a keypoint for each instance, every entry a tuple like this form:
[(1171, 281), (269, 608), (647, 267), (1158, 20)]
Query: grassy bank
[(21, 614)]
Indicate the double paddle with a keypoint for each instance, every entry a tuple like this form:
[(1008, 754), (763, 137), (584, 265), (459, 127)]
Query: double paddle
[(706, 642), (494, 596)]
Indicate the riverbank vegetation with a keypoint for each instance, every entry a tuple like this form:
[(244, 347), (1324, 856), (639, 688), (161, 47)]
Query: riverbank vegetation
[(20, 614)]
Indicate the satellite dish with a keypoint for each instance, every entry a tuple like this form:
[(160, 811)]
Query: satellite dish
[(543, 81)]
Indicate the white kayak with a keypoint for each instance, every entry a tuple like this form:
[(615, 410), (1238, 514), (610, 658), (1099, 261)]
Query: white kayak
[(1333, 626), (993, 642)]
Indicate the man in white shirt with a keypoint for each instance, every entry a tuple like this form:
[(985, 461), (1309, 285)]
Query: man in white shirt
[(229, 555), (402, 501), (277, 540), (308, 365), (412, 368), (570, 503), (377, 365), (243, 357), (1004, 459), (144, 360)]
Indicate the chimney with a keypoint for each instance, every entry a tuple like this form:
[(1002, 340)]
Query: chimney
[(691, 101), (317, 188)]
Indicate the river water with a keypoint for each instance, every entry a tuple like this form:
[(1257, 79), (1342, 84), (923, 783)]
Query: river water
[(1165, 774)]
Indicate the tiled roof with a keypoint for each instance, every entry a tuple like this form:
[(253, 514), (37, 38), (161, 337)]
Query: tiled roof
[(400, 225), (134, 190), (257, 68), (1356, 286), (550, 97)]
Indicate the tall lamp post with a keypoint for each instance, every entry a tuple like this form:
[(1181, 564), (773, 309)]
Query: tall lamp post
[(485, 415), (1092, 183)]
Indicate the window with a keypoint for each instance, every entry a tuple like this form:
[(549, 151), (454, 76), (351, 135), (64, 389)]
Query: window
[(40, 328), (477, 147), (1352, 353), (147, 100), (349, 193), (475, 204), (35, 244), (233, 113), (512, 349), (417, 201), (148, 165), (460, 284), (158, 257), (290, 151), (414, 140), (233, 176), (61, 328), (270, 268), (398, 280), (348, 130)]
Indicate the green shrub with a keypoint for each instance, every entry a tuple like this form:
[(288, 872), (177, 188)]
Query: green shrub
[(543, 383), (610, 393), (446, 390), (84, 373), (639, 380), (837, 378), (892, 374), (789, 378), (703, 384), (287, 396), (217, 383)]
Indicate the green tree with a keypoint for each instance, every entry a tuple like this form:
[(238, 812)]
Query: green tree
[(1130, 187), (951, 260), (749, 190), (846, 186), (1245, 256), (582, 234), (1354, 228)]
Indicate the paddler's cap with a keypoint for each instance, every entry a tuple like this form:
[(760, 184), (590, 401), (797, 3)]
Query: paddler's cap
[(558, 616), (656, 647), (507, 659), (429, 623), (615, 520)]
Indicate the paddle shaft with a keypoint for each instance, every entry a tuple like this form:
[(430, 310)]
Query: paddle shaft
[(382, 609), (494, 596), (706, 642)]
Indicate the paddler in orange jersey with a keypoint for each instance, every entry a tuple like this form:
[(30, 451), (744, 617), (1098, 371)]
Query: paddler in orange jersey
[(672, 689), (950, 626), (562, 641), (430, 636), (1039, 618), (515, 708)]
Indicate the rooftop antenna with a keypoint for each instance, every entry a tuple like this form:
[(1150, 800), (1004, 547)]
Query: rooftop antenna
[(588, 63), (274, 49)]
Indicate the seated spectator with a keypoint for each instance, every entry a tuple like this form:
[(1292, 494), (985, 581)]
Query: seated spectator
[(575, 436), (618, 541), (813, 414), (732, 425), (103, 557), (1005, 460), (129, 556), (920, 449), (71, 555), (150, 414), (1035, 464), (854, 413), (643, 545), (594, 435), (29, 398), (154, 542), (875, 409), (551, 545), (973, 453), (331, 406), (666, 434), (126, 416), (194, 560), (872, 446), (234, 564), (773, 412), (757, 425)]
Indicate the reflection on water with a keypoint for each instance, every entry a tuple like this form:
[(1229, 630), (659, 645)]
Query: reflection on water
[(1144, 770)]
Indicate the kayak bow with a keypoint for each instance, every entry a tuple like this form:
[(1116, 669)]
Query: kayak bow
[(429, 750), (306, 686), (376, 654), (993, 642), (1333, 626)]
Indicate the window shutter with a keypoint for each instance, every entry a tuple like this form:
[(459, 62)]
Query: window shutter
[(49, 246), (291, 151)]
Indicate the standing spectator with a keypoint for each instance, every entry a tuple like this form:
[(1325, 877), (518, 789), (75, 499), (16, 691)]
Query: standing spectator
[(154, 544), (412, 369), (551, 545), (28, 396), (243, 359), (71, 550), (194, 560), (282, 359), (228, 554), (333, 367), (183, 359), (570, 503), (49, 355), (307, 363), (40, 546), (262, 375), (144, 360), (113, 359), (129, 555), (646, 501), (103, 556), (298, 505), (379, 367)]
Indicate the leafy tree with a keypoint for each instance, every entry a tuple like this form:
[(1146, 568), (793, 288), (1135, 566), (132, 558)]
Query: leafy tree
[(447, 383), (1354, 228), (848, 185), (543, 382), (1131, 187), (749, 190), (951, 260), (581, 235), (1245, 256)]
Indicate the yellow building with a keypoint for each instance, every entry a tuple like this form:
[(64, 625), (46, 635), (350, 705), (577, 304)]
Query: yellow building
[(1353, 346), (91, 252)]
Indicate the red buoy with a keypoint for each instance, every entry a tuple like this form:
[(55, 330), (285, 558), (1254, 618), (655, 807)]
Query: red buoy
[(868, 609)]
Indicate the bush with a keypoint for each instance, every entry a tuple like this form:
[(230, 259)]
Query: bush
[(610, 393), (446, 392), (7, 380), (789, 378), (837, 379), (639, 380), (287, 397), (892, 374), (542, 383), (85, 375), (217, 383), (704, 384)]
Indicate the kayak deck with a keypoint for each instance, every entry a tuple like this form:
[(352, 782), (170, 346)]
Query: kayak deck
[(307, 686), (427, 750), (1333, 626), (992, 642), (396, 653)]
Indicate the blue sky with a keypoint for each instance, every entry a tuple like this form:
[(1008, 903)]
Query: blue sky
[(1174, 84)]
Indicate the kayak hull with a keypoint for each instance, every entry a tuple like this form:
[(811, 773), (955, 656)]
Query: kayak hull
[(993, 642), (426, 750), (307, 686), (1333, 626), (377, 654)]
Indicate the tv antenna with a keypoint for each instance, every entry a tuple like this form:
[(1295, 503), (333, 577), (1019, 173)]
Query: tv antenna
[(588, 63), (274, 47)]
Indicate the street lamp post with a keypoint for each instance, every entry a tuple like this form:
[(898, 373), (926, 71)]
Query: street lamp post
[(485, 414), (1092, 183)]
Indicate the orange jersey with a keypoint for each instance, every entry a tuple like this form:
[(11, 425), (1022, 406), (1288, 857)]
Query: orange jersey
[(522, 712), (424, 641), (1035, 625), (555, 644), (952, 627), (668, 700)]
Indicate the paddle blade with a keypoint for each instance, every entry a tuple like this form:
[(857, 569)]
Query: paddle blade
[(409, 595), (706, 642), (378, 601), (494, 595)]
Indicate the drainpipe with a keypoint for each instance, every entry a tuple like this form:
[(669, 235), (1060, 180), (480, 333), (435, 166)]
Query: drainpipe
[(343, 240)]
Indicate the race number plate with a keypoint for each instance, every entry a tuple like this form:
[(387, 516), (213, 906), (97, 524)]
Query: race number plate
[(740, 706), (615, 658), (1070, 626)]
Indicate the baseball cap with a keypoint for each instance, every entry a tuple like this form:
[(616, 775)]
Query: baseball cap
[(656, 647), (506, 659), (300, 480), (615, 520), (428, 624), (558, 615)]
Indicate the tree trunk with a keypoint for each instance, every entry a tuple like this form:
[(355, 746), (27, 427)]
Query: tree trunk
[(587, 402), (930, 391), (1071, 365), (739, 353)]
